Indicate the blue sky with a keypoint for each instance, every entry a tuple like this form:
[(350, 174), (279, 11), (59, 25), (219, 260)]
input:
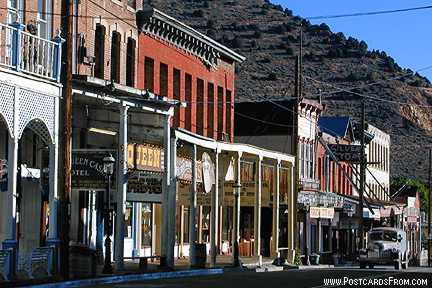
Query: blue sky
[(406, 36)]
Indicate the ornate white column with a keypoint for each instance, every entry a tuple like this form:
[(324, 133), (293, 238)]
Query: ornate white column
[(170, 212), (257, 214), (193, 208), (214, 213), (121, 187), (276, 203), (236, 211), (53, 181)]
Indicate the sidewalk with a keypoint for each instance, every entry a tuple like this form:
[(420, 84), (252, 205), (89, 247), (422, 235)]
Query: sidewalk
[(131, 272)]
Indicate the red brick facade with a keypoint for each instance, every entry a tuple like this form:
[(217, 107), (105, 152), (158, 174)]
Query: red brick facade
[(337, 182), (209, 112), (114, 16)]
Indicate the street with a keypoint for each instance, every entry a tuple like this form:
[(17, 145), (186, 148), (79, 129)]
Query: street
[(291, 278)]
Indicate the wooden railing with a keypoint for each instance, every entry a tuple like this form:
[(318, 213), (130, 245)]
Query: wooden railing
[(28, 53)]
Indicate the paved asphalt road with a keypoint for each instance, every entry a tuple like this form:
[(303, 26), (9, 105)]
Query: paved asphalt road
[(292, 278)]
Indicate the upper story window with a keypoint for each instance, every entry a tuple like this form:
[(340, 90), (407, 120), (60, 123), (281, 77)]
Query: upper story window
[(44, 18), (132, 3), (149, 74), (130, 62), (15, 11), (163, 80), (115, 56), (99, 49)]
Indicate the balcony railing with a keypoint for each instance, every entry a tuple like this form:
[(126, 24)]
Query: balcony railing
[(29, 53)]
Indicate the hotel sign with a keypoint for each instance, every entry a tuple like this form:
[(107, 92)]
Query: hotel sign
[(349, 153), (87, 169)]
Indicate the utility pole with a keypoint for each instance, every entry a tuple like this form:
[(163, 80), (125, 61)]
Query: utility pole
[(66, 139), (362, 173), (294, 144), (429, 209)]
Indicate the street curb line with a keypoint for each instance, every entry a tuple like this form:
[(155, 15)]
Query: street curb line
[(132, 278)]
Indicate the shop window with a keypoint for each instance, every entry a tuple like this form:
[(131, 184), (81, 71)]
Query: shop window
[(99, 70), (186, 225), (210, 112), (115, 56), (176, 93), (163, 80), (229, 116), (188, 95), (220, 101), (128, 221), (149, 74), (146, 226), (130, 62), (200, 106)]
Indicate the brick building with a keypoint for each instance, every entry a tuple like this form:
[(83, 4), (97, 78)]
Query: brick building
[(106, 40), (178, 62)]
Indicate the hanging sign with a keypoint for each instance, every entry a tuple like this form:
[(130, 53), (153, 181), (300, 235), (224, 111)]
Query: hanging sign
[(184, 194), (207, 172), (314, 212), (184, 169), (3, 175), (349, 153), (321, 212), (145, 157), (87, 169), (144, 187)]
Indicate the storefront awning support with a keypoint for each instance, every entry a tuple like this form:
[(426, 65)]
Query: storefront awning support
[(237, 189), (257, 214), (275, 233), (193, 208), (121, 187), (214, 213)]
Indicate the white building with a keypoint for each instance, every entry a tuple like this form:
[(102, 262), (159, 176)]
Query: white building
[(378, 172), (29, 119)]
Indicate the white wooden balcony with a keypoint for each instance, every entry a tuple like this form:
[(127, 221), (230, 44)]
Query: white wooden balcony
[(28, 53)]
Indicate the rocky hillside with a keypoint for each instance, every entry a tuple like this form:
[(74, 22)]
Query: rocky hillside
[(269, 37)]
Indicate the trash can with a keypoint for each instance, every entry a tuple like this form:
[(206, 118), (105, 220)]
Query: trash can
[(314, 259), (200, 258), (82, 262)]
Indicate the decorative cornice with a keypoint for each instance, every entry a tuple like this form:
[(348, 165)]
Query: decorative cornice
[(158, 24)]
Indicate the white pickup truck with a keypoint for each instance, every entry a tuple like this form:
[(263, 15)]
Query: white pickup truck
[(385, 246)]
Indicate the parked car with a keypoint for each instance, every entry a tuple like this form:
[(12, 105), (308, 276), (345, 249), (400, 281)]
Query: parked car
[(385, 246)]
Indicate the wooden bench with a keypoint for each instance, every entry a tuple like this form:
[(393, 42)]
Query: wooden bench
[(143, 261), (41, 259), (5, 263)]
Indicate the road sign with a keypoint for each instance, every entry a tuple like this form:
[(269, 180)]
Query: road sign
[(349, 153)]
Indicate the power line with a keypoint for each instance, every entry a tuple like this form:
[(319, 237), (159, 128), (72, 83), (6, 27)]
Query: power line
[(376, 98), (359, 14)]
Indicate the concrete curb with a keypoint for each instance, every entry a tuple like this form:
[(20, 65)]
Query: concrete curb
[(132, 278), (313, 267)]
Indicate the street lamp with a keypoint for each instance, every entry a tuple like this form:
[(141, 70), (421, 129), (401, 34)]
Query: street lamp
[(108, 169)]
